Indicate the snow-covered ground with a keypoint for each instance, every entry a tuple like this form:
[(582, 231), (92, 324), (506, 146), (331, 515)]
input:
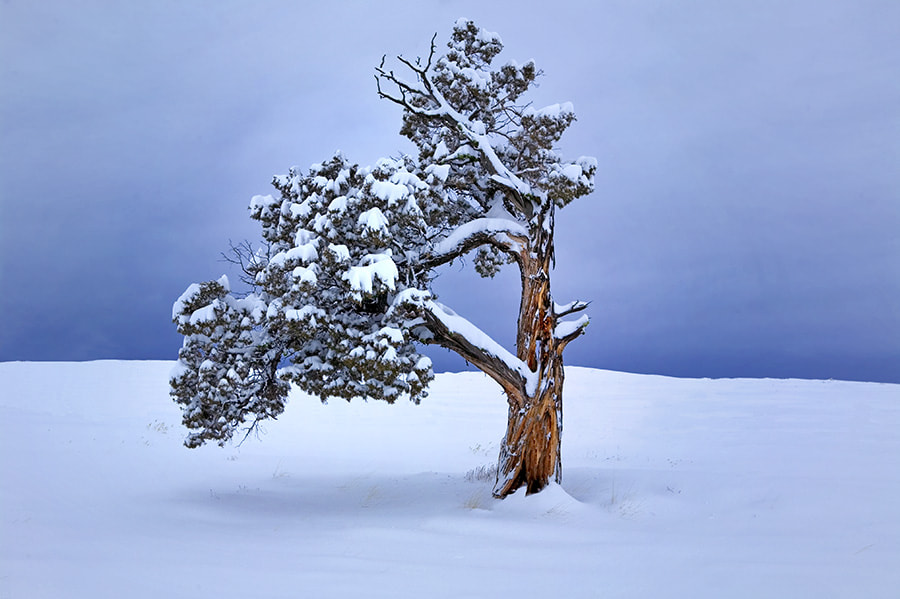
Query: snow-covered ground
[(672, 488)]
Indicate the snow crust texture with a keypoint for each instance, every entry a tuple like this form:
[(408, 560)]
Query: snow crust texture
[(672, 488)]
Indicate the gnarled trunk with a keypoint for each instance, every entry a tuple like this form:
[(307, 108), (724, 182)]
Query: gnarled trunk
[(474, 128), (532, 379), (530, 451)]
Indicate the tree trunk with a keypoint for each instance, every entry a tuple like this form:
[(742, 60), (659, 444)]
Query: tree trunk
[(530, 451)]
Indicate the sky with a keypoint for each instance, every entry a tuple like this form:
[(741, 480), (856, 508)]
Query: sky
[(746, 218)]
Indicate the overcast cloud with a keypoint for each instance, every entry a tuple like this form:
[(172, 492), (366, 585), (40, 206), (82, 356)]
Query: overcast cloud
[(747, 214)]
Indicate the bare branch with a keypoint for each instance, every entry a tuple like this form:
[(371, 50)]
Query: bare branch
[(567, 331), (417, 69), (243, 256), (431, 51), (561, 311), (562, 342), (438, 108)]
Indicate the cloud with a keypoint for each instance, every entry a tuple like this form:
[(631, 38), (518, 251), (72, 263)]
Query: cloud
[(748, 195)]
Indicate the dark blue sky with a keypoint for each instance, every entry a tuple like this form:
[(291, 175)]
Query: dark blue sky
[(747, 214)]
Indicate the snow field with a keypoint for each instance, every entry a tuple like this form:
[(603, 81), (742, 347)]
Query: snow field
[(671, 488)]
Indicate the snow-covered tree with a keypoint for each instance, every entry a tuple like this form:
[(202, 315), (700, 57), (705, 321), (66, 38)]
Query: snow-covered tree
[(342, 298)]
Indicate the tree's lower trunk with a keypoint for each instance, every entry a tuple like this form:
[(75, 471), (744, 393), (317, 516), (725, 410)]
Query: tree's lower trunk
[(530, 451)]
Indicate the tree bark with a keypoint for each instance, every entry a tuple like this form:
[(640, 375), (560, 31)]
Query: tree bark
[(530, 450)]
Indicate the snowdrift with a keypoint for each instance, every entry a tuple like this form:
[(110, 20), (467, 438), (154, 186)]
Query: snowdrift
[(671, 488)]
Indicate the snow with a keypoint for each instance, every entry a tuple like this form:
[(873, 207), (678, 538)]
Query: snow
[(373, 219), (388, 191), (440, 150), (568, 327), (573, 306), (305, 275), (338, 204), (205, 314), (572, 172), (300, 210), (671, 488), (300, 253), (374, 267), (587, 162), (393, 334), (402, 182), (261, 202), (489, 226), (341, 252), (185, 298), (304, 253), (554, 111), (440, 171), (303, 313)]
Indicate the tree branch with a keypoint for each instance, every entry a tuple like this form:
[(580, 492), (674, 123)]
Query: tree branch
[(507, 236), (561, 311), (513, 380), (453, 332), (568, 331), (438, 108), (243, 256)]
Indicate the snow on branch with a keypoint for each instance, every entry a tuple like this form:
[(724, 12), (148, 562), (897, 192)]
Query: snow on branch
[(500, 173), (506, 235), (570, 329), (373, 268), (425, 100), (456, 333), (561, 310)]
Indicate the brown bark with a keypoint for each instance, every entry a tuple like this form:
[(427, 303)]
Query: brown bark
[(530, 451)]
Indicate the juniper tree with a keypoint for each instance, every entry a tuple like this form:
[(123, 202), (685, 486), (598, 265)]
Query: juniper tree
[(343, 299)]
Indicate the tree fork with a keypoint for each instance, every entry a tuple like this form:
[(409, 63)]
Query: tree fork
[(338, 246), (530, 453)]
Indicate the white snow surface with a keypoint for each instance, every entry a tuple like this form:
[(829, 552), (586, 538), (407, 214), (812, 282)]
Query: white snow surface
[(671, 488)]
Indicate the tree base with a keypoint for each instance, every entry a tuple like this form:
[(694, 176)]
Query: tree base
[(530, 451)]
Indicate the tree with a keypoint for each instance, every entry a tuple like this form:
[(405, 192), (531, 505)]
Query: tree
[(342, 296)]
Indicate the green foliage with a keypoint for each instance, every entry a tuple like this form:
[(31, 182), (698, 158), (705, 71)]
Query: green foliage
[(341, 292), (223, 372)]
